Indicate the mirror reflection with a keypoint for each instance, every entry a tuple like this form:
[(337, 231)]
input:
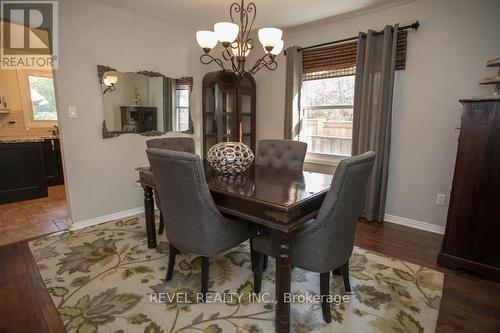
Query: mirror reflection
[(147, 103)]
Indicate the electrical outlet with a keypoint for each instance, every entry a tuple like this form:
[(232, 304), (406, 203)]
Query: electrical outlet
[(441, 199)]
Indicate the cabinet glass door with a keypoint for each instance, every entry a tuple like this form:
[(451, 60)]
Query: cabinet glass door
[(227, 116), (245, 119)]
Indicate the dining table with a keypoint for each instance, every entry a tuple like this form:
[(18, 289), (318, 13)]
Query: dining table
[(279, 200)]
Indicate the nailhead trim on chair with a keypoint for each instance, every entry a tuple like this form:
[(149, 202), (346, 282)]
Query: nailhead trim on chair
[(327, 218)]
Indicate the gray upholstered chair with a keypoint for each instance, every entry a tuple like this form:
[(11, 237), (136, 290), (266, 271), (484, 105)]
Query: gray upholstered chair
[(176, 144), (282, 154), (285, 154), (325, 243), (193, 223)]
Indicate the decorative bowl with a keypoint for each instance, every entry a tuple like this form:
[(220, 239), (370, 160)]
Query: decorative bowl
[(230, 157)]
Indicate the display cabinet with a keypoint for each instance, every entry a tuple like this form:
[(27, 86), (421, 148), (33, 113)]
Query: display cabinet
[(228, 109)]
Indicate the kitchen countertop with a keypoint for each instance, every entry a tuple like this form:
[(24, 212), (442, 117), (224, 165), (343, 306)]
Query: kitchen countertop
[(21, 139)]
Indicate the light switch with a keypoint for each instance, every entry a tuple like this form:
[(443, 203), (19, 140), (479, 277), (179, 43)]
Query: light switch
[(72, 112)]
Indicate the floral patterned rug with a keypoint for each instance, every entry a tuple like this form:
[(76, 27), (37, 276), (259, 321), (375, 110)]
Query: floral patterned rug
[(104, 278)]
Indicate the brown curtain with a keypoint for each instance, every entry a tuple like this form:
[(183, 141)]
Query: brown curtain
[(293, 86), (373, 92)]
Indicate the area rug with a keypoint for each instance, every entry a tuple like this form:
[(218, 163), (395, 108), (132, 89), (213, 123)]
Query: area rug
[(104, 279)]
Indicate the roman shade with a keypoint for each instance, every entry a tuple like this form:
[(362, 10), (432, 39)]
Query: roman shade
[(340, 59)]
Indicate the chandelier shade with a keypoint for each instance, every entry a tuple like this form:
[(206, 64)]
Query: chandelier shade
[(237, 44), (278, 48), (226, 31), (270, 37), (206, 39)]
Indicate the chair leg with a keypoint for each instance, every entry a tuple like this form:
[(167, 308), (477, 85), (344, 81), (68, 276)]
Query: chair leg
[(344, 270), (257, 260), (204, 278), (324, 282), (265, 262), (171, 262), (162, 224), (336, 272)]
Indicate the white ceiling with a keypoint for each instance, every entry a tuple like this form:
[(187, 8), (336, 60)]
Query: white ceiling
[(202, 14)]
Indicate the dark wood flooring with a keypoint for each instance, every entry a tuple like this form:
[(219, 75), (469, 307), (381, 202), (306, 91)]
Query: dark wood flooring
[(469, 304)]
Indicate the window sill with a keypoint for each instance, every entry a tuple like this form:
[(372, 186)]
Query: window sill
[(324, 159)]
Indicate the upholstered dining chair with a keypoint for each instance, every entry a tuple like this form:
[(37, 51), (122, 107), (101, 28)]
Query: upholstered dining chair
[(193, 224), (283, 154), (325, 243), (176, 144), (286, 154)]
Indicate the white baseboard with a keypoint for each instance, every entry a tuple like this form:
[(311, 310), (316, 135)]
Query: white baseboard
[(437, 229), (107, 218)]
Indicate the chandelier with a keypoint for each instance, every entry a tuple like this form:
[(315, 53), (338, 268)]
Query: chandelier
[(237, 44)]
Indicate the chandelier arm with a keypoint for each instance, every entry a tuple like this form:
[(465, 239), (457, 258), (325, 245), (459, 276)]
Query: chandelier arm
[(236, 8), (211, 60), (259, 63), (226, 54), (269, 63), (255, 66), (251, 9)]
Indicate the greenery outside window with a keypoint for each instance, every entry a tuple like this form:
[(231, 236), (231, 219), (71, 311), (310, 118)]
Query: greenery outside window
[(38, 98)]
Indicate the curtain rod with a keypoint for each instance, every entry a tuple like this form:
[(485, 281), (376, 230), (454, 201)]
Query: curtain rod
[(414, 25)]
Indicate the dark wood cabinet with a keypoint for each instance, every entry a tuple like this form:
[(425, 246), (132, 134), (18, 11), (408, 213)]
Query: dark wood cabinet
[(52, 160), (228, 109), (139, 118), (472, 237), (22, 172)]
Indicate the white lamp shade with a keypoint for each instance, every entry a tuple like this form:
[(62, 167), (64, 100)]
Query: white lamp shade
[(110, 80), (270, 37), (206, 39), (277, 48), (226, 31)]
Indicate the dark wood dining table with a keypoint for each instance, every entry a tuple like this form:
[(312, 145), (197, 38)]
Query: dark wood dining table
[(280, 200)]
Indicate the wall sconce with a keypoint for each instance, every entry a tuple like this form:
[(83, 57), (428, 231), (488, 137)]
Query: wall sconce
[(110, 82)]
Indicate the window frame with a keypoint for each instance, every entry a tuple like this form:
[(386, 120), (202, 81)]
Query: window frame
[(323, 158), (177, 108), (25, 96)]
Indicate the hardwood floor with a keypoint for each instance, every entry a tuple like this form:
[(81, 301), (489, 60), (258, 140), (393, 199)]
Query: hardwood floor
[(469, 304), (32, 218)]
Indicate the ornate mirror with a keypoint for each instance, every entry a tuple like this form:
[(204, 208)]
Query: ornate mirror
[(146, 103)]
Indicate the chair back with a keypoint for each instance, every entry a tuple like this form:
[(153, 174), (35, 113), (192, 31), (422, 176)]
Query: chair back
[(327, 243), (177, 144), (193, 221), (283, 154)]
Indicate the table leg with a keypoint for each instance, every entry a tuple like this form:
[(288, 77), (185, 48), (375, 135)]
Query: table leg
[(283, 271), (149, 210)]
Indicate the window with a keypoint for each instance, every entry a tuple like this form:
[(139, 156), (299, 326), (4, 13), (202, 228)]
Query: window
[(37, 98), (43, 99), (181, 121), (327, 106)]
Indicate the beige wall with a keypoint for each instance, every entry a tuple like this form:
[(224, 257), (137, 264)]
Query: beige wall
[(446, 58), (100, 174)]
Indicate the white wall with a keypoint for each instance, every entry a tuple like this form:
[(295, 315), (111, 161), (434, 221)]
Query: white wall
[(446, 58), (100, 174)]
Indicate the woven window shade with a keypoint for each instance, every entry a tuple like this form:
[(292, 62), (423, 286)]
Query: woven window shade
[(340, 59)]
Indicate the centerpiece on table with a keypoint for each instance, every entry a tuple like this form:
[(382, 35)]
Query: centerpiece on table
[(230, 158)]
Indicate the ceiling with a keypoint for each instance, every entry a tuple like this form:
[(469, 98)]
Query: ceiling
[(202, 14)]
